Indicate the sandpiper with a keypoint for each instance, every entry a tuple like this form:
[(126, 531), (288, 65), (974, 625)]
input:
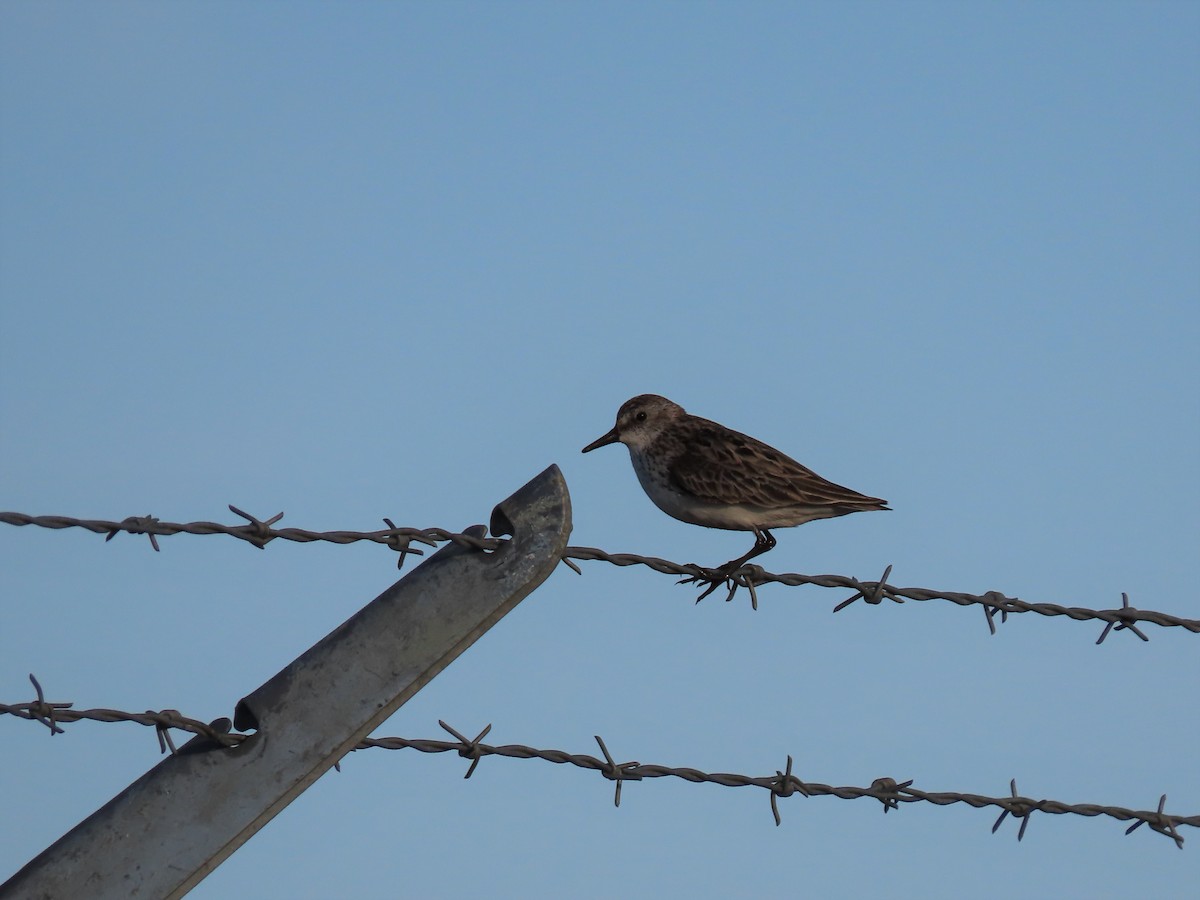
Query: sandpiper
[(703, 473)]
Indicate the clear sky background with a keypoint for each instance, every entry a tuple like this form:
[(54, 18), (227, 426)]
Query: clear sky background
[(362, 260)]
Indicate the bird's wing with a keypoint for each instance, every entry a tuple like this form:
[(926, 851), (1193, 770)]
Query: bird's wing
[(726, 466)]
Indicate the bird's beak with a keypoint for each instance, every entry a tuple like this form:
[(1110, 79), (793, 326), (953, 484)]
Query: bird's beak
[(610, 438)]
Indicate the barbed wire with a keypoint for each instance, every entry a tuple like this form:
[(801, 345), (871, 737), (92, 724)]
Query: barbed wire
[(784, 783), (260, 532)]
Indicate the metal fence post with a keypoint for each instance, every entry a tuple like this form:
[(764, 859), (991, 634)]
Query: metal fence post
[(164, 833)]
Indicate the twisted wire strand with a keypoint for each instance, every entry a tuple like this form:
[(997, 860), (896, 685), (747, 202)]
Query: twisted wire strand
[(889, 792), (260, 532)]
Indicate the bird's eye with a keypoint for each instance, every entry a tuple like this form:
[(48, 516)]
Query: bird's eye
[(641, 417)]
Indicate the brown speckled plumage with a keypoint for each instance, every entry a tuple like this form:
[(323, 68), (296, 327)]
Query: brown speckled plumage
[(726, 466)]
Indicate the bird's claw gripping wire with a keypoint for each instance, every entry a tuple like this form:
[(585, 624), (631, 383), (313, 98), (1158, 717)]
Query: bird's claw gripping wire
[(732, 577)]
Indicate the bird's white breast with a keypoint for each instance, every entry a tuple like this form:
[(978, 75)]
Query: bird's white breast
[(694, 510)]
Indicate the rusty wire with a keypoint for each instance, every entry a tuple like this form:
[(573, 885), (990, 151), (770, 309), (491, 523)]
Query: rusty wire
[(260, 532), (784, 783)]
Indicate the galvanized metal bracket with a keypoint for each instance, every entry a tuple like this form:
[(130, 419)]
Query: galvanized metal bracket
[(164, 833)]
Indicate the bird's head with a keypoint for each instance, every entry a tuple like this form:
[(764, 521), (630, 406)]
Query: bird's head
[(639, 422)]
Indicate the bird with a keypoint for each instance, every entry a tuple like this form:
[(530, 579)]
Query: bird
[(700, 472)]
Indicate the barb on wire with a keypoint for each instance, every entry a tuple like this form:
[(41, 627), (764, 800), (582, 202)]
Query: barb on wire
[(1164, 824), (41, 711), (618, 772), (137, 525), (871, 593), (470, 749), (784, 784), (1126, 617), (1021, 809), (55, 715), (889, 792), (261, 532)]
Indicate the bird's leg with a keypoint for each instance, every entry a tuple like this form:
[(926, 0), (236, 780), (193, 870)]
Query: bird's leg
[(714, 578), (763, 541)]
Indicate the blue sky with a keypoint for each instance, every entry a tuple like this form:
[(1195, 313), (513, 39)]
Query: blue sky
[(365, 260)]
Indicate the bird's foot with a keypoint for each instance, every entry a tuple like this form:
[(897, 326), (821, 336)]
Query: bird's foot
[(713, 578), (729, 575)]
